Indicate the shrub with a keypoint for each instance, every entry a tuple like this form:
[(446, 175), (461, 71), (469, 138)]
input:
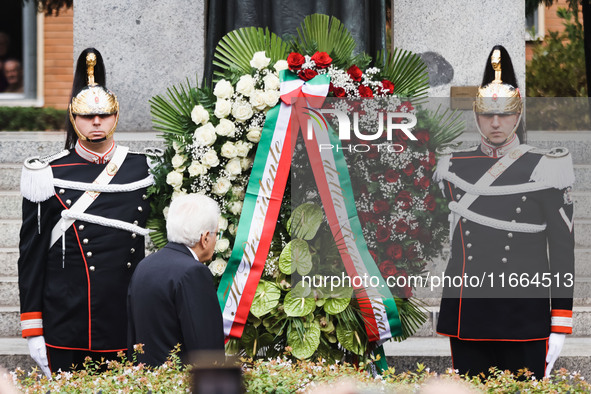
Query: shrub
[(31, 119)]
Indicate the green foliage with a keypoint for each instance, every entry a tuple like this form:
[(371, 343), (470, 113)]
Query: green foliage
[(31, 119), (406, 70), (557, 68)]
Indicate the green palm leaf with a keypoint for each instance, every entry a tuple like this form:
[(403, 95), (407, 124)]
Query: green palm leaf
[(235, 49), (325, 33), (406, 70), (412, 316)]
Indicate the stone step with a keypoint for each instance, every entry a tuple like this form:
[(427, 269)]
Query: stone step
[(8, 261), (9, 228), (435, 354), (14, 353), (9, 291), (10, 205)]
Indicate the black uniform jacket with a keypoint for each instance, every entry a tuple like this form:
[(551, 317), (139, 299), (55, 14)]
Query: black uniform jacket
[(172, 299), (493, 305), (81, 299)]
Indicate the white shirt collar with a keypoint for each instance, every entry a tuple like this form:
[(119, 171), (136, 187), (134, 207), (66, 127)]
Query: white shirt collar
[(192, 252), (94, 157), (499, 151)]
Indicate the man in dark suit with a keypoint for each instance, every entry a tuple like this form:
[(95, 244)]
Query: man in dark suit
[(172, 297)]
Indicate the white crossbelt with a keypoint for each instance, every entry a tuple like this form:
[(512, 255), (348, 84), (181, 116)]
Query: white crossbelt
[(82, 204)]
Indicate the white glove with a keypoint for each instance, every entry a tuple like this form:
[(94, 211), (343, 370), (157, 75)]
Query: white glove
[(555, 343), (39, 353)]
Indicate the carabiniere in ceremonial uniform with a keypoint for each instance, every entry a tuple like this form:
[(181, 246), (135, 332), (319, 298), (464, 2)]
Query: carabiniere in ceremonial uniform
[(512, 235), (83, 232)]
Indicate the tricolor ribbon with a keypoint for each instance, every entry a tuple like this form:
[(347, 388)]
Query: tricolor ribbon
[(263, 199)]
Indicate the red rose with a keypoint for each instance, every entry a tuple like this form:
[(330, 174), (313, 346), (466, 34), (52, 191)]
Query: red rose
[(394, 251), (406, 291), (412, 253), (422, 183), (422, 136), (409, 169), (429, 163), (307, 74), (405, 107), (388, 86), (321, 59), (355, 73), (381, 206), (404, 199), (388, 268), (414, 232), (365, 217), (430, 203), (295, 61), (365, 91), (400, 135), (371, 153), (391, 176), (425, 236), (401, 226), (374, 177), (373, 255), (382, 234), (339, 92)]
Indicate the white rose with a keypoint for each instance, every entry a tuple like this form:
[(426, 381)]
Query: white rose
[(205, 135), (174, 179), (259, 60), (234, 167), (226, 128), (271, 82), (223, 89), (222, 244), (165, 212), (228, 150), (245, 85), (257, 100), (222, 223), (196, 169), (178, 193), (221, 186), (246, 163), (232, 229), (177, 160), (254, 134), (218, 266), (222, 108), (199, 115), (210, 158), (281, 65), (235, 207), (176, 146), (238, 191), (242, 111), (271, 97), (242, 148)]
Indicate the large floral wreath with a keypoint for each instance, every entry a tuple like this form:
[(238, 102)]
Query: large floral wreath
[(211, 135)]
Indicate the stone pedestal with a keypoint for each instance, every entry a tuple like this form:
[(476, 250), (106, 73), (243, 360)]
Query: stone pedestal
[(147, 45), (454, 37)]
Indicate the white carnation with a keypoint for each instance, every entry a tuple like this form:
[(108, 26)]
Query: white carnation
[(210, 158), (234, 167), (205, 135), (254, 134), (259, 60), (226, 128), (245, 85), (197, 169), (218, 266), (281, 65), (242, 148), (199, 115), (222, 245), (271, 97), (174, 179), (228, 150), (242, 111), (221, 186), (271, 82), (222, 108), (257, 100), (223, 89), (235, 207), (223, 222)]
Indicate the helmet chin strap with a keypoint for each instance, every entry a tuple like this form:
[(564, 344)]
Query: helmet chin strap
[(84, 138), (505, 140)]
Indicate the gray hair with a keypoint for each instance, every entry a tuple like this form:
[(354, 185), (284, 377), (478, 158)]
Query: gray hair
[(189, 217)]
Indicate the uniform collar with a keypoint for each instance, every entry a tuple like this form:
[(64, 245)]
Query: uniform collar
[(499, 151), (94, 157)]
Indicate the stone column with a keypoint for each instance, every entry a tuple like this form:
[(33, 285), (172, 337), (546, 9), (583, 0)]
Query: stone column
[(454, 37), (147, 45)]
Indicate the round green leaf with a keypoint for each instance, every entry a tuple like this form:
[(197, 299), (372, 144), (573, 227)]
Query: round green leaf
[(297, 307), (350, 340), (334, 306), (265, 299), (305, 221), (295, 255), (285, 257), (304, 347)]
